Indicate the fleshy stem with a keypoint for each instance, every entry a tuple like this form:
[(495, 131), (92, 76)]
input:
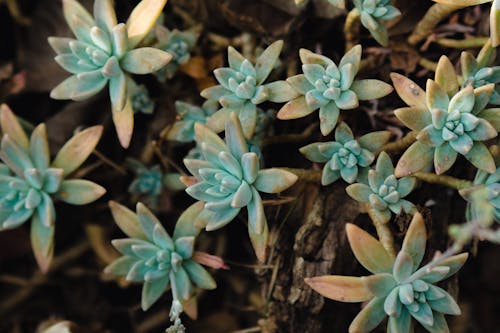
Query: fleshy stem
[(449, 181), (428, 64), (290, 138), (351, 28), (384, 233), (399, 145), (312, 176), (433, 16), (468, 43)]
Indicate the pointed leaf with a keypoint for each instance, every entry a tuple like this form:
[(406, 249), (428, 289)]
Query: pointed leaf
[(127, 220), (152, 291), (11, 126), (266, 61), (77, 149), (42, 241), (369, 317), (409, 91), (446, 76), (296, 108), (415, 240), (368, 251), (340, 288), (371, 89), (142, 19), (145, 60), (418, 157), (124, 123), (274, 180), (80, 191)]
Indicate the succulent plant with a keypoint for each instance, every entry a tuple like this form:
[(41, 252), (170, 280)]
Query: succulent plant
[(347, 158), (149, 182), (104, 53), (229, 178), (384, 193), (447, 121), (478, 71), (330, 88), (494, 15), (179, 44), (263, 130), (484, 207), (398, 288), (151, 256), (140, 99), (188, 115), (241, 88), (29, 182), (373, 12)]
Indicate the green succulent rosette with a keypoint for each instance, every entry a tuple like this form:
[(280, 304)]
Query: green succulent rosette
[(187, 116), (105, 53), (30, 182), (179, 44), (330, 88), (384, 192), (152, 257), (373, 13), (447, 122), (228, 178), (398, 288), (346, 157), (241, 88)]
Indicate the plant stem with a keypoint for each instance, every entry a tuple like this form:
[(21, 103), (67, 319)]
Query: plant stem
[(312, 176), (290, 138), (351, 28), (384, 233), (399, 145), (433, 16), (109, 162), (449, 181), (468, 43), (428, 64)]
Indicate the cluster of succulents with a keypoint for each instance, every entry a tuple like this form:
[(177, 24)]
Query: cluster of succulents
[(105, 53), (30, 182), (330, 88), (451, 117), (398, 288)]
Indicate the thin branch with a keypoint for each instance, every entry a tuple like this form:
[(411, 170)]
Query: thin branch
[(448, 181)]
